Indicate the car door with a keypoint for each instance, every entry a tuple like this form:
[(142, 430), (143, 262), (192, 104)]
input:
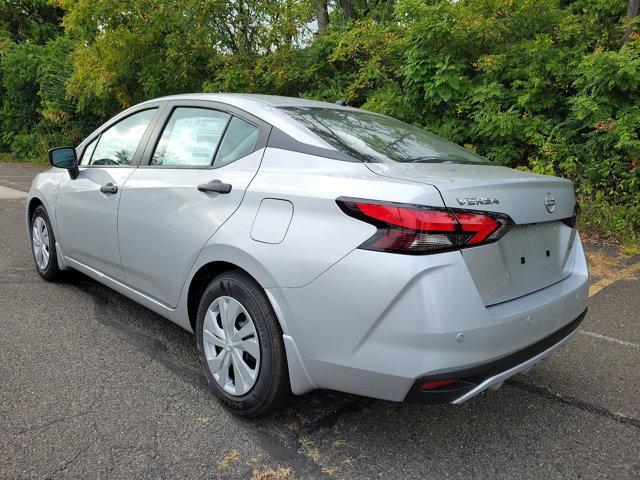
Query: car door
[(87, 205), (194, 174)]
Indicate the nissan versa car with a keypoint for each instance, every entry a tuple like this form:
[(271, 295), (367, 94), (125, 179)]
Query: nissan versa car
[(311, 245)]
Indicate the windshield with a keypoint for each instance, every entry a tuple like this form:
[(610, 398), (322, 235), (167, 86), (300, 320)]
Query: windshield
[(375, 138)]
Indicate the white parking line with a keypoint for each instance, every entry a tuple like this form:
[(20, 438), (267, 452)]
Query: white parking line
[(7, 193), (627, 273), (609, 339)]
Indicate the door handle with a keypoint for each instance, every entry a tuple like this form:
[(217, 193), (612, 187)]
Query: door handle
[(215, 186), (109, 188)]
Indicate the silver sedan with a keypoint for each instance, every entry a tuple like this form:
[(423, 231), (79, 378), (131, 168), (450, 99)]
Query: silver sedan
[(311, 245)]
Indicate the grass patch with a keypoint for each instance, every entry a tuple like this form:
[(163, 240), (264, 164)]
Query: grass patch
[(10, 158), (604, 221)]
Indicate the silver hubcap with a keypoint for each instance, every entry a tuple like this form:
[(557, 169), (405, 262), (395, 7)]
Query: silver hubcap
[(231, 345), (40, 239)]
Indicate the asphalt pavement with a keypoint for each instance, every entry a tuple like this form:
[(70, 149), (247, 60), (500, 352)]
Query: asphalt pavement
[(93, 385)]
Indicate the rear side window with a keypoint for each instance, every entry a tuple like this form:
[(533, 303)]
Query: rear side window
[(118, 144), (191, 137), (375, 138), (239, 140)]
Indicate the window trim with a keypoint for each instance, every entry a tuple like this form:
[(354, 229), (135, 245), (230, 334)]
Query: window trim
[(84, 151), (264, 130), (138, 154), (215, 156)]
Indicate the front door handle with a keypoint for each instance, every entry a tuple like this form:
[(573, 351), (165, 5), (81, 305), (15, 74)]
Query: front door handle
[(215, 186), (109, 188)]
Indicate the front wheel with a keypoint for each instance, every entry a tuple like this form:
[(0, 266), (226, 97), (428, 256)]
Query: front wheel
[(43, 245), (240, 345)]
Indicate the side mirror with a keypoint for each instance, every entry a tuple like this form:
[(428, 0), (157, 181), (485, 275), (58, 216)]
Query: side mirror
[(65, 157)]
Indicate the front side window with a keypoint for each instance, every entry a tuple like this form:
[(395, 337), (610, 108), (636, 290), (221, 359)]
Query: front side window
[(191, 137), (118, 144), (88, 151), (375, 138)]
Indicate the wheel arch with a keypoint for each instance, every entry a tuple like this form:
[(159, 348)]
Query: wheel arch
[(34, 203), (199, 282), (219, 259), (43, 192), (214, 260)]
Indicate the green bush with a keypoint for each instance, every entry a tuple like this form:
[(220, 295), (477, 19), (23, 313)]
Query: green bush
[(538, 85)]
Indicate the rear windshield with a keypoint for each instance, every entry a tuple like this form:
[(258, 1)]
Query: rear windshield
[(375, 138)]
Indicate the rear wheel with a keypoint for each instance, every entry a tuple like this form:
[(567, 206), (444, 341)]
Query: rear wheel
[(240, 345), (43, 245)]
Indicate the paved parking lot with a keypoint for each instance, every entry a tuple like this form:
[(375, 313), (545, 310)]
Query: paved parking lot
[(93, 385)]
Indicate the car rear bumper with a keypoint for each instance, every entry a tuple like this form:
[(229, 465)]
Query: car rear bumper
[(476, 379), (375, 324)]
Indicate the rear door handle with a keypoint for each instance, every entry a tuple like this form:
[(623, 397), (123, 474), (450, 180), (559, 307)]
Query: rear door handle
[(215, 186), (109, 188)]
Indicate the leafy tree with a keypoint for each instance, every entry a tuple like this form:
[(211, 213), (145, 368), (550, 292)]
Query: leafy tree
[(128, 51), (29, 20), (20, 106), (546, 85), (25, 25), (632, 13), (322, 15)]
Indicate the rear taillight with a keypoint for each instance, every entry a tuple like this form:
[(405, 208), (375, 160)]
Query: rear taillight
[(572, 221), (412, 229)]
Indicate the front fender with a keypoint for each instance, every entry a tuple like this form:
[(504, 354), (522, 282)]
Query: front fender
[(44, 190)]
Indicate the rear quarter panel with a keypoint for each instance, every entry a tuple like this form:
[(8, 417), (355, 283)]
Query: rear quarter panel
[(319, 233)]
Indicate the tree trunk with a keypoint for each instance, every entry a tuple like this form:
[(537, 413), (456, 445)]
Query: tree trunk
[(322, 15), (347, 9), (632, 12)]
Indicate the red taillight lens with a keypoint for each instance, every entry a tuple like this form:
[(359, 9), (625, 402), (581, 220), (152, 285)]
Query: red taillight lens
[(418, 230), (409, 218), (482, 226)]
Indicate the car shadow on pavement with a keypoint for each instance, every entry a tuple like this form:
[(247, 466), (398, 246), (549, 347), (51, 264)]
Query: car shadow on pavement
[(318, 411), (175, 348)]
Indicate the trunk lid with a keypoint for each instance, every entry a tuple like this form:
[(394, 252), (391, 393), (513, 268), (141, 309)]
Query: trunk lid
[(535, 253)]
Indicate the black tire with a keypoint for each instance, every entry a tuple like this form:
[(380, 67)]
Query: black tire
[(52, 271), (271, 387)]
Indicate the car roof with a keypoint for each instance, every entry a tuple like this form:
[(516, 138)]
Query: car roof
[(266, 108), (254, 98)]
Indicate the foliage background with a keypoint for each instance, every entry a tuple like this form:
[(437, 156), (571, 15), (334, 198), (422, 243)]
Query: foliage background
[(547, 85)]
